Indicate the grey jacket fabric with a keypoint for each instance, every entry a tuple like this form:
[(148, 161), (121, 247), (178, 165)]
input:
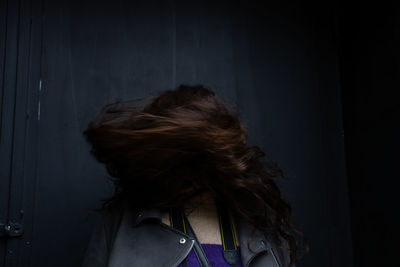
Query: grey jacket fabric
[(123, 239)]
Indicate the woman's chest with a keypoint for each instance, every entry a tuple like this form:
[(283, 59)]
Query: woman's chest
[(205, 224)]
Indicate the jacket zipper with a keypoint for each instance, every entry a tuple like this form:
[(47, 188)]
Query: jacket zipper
[(200, 255), (275, 259)]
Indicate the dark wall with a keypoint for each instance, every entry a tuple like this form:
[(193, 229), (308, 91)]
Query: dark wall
[(277, 63), (370, 81)]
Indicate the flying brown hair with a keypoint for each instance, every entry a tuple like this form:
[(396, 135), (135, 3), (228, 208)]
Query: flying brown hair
[(182, 143)]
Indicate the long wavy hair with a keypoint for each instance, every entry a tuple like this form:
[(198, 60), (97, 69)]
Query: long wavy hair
[(181, 143)]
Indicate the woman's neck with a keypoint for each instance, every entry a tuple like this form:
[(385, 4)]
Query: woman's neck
[(203, 217), (202, 203)]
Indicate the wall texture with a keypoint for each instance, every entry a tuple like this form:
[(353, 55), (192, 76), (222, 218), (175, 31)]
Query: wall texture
[(62, 60)]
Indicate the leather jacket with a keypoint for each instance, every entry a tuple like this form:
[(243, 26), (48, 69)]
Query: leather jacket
[(124, 239)]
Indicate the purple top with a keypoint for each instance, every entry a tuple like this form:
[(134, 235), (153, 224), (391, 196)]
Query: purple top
[(214, 253)]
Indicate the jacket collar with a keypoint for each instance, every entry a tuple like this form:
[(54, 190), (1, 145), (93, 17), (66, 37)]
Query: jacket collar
[(146, 214), (258, 243)]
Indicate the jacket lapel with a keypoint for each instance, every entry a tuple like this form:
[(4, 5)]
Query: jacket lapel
[(156, 244), (261, 252), (148, 244), (257, 244)]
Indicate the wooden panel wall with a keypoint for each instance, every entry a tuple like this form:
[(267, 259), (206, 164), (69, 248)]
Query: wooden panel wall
[(276, 62)]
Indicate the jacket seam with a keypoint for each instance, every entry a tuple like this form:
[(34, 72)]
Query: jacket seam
[(255, 255)]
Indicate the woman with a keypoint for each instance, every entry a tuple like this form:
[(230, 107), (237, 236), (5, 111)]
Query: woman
[(189, 190)]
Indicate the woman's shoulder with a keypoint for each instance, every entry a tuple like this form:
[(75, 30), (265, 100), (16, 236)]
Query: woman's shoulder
[(110, 218), (280, 246), (102, 236)]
